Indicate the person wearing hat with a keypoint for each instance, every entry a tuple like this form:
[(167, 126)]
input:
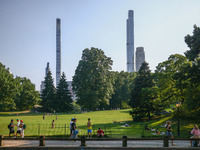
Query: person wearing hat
[(22, 128), (18, 127), (11, 127)]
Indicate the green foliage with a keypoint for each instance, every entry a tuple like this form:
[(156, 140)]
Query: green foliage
[(171, 80), (144, 99), (8, 89), (193, 42), (92, 82), (123, 82), (48, 94), (27, 96), (63, 96)]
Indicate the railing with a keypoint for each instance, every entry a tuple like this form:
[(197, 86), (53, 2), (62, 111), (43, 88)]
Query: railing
[(83, 140)]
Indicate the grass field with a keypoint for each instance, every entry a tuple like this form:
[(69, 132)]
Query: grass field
[(110, 121)]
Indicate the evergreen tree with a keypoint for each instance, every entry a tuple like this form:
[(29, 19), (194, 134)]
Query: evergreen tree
[(63, 96), (193, 42), (143, 95), (48, 94)]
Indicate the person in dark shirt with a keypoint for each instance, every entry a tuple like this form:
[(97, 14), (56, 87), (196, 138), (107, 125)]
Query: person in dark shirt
[(169, 131), (74, 127), (12, 131)]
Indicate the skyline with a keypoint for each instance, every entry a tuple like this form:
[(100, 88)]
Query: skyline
[(28, 35)]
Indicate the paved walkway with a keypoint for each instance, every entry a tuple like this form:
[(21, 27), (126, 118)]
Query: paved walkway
[(153, 143)]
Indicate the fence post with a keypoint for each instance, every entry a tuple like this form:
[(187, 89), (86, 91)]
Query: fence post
[(165, 141), (83, 141), (1, 140), (124, 144), (42, 141)]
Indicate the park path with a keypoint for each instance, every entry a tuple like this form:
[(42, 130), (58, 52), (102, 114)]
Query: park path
[(153, 143)]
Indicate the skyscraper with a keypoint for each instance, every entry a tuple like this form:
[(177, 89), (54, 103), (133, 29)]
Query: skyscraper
[(58, 50), (130, 41), (42, 82), (140, 57)]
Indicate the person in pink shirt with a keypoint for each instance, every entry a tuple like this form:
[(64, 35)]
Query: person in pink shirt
[(196, 133)]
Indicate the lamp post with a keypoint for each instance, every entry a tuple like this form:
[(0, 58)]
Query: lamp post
[(178, 129)]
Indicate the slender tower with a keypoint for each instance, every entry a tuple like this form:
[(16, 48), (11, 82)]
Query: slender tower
[(140, 57), (58, 51), (130, 41)]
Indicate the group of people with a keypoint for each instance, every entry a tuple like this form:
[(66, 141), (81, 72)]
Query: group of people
[(20, 128), (195, 133), (74, 130)]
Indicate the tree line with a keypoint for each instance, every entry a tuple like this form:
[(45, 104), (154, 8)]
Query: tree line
[(16, 93), (97, 87), (148, 94)]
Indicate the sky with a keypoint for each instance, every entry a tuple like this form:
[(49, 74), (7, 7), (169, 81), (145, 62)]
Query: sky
[(28, 32)]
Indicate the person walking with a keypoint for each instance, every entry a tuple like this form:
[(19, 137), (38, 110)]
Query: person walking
[(196, 134), (11, 128), (169, 131), (18, 127), (89, 128), (53, 124), (74, 127), (22, 128)]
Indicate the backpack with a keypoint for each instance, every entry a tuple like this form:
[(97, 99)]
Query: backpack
[(9, 126), (24, 126)]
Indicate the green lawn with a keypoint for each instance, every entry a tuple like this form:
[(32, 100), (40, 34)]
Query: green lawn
[(110, 121)]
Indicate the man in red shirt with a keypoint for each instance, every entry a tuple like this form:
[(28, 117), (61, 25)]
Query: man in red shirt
[(100, 132)]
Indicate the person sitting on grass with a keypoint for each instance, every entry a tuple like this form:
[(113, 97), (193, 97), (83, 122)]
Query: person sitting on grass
[(11, 127), (196, 133), (100, 133)]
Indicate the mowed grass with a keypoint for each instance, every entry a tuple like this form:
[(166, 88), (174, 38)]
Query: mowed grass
[(111, 121)]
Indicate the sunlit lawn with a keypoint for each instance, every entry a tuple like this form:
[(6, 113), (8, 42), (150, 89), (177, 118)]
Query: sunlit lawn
[(110, 121)]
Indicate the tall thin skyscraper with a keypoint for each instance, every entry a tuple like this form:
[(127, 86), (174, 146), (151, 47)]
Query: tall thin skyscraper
[(58, 50), (130, 41), (140, 57)]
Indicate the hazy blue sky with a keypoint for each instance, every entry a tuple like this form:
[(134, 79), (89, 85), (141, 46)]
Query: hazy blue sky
[(28, 32)]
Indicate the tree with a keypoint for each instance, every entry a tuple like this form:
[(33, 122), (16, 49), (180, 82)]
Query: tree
[(123, 82), (28, 96), (48, 94), (8, 89), (144, 100), (92, 82), (171, 79), (63, 96), (193, 42)]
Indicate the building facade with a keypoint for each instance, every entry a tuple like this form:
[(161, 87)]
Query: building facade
[(140, 57), (58, 50), (130, 41)]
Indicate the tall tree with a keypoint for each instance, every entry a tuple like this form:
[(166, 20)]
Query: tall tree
[(92, 82), (63, 96), (193, 42), (8, 89), (28, 96), (144, 101), (48, 94), (123, 82)]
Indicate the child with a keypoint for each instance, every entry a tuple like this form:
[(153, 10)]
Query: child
[(196, 133), (100, 133), (11, 127), (169, 131), (89, 128)]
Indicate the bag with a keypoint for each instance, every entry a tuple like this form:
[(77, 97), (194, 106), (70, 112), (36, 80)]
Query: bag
[(9, 126), (24, 126)]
